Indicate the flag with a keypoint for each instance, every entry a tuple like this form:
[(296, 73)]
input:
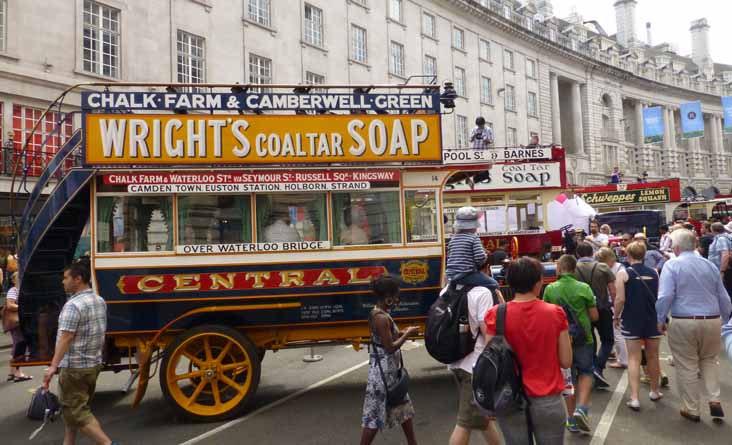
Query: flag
[(692, 120), (727, 110), (652, 125)]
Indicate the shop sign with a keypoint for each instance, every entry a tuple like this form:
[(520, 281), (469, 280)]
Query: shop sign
[(476, 156), (159, 140), (250, 182), (522, 176), (643, 196)]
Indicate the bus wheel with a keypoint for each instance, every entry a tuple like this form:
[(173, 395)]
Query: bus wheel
[(210, 373)]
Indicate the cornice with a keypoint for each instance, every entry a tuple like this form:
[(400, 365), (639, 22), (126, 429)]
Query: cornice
[(536, 40)]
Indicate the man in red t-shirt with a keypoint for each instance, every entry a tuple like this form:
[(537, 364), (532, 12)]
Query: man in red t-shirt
[(537, 332)]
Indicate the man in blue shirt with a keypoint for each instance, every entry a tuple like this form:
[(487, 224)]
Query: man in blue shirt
[(692, 293), (719, 254)]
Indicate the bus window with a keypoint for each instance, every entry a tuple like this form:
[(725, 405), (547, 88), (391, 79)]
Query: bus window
[(285, 217), (421, 216), (134, 224), (366, 218), (207, 219), (525, 213)]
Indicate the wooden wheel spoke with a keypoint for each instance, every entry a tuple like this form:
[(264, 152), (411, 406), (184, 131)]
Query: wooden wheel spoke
[(230, 366), (197, 392), (223, 352), (196, 361), (216, 393), (207, 349), (188, 375), (231, 383)]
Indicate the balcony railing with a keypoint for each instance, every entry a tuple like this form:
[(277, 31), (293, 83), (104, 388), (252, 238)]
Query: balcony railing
[(33, 163)]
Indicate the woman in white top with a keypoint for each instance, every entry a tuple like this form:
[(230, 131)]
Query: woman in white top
[(11, 324)]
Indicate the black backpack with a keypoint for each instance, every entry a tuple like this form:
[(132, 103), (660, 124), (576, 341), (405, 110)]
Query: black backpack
[(576, 331), (447, 334), (497, 381)]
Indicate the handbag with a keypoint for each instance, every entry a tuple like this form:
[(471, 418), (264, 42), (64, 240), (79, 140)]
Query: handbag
[(10, 318), (396, 393)]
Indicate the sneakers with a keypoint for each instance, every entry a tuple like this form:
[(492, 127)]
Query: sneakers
[(633, 404), (582, 420), (664, 380), (715, 410), (600, 382), (571, 426), (655, 396)]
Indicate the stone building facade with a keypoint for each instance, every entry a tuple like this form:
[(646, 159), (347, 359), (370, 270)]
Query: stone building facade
[(516, 64)]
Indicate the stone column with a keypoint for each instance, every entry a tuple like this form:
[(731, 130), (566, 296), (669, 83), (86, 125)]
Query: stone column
[(666, 130), (639, 124), (556, 122), (671, 125), (577, 118)]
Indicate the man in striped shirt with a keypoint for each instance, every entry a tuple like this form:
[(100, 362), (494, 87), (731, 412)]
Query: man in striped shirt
[(465, 252)]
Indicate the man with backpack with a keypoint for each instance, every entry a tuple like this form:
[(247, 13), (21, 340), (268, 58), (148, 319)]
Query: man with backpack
[(478, 300), (602, 281), (578, 302), (453, 335)]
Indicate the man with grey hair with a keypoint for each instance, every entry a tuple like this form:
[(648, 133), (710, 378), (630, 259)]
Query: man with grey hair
[(692, 293)]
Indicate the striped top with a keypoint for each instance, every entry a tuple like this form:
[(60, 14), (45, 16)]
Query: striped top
[(465, 254)]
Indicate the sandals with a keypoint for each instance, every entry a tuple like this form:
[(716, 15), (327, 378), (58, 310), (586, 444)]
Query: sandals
[(23, 378)]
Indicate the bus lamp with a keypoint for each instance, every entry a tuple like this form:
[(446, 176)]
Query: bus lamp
[(179, 110), (448, 96)]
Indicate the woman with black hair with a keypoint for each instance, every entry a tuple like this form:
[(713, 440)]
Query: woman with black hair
[(385, 364)]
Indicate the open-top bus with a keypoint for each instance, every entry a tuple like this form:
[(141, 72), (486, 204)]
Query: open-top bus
[(229, 220)]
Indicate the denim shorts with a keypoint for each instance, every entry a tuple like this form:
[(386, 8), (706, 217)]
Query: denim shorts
[(582, 358)]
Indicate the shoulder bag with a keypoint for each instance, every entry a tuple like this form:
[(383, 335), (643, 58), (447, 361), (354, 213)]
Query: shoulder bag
[(396, 393)]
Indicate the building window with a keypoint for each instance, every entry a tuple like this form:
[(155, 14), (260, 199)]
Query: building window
[(430, 66), (508, 59), (313, 25), (429, 28), (532, 105), (260, 70), (259, 12), (461, 131), (530, 68), (3, 24), (101, 39), (396, 59), (486, 90), (191, 58), (37, 155), (315, 79), (511, 138), (460, 82), (358, 44), (485, 50), (458, 38), (395, 10), (510, 98)]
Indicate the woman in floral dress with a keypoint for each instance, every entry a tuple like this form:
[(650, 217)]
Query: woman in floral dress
[(386, 340)]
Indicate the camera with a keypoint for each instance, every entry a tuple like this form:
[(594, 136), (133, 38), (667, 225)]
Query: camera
[(479, 135)]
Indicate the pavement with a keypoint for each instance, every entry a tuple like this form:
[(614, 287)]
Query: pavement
[(320, 403)]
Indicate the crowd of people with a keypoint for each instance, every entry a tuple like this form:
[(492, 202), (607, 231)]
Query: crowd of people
[(610, 307)]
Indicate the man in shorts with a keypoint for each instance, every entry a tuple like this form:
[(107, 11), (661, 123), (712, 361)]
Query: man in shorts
[(469, 418), (568, 290), (78, 354)]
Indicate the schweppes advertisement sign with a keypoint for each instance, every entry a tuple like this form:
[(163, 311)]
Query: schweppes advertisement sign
[(642, 196), (124, 139)]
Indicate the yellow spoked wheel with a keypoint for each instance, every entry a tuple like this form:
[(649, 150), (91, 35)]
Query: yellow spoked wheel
[(210, 373)]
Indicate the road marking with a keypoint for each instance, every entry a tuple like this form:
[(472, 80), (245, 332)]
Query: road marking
[(274, 404), (603, 427)]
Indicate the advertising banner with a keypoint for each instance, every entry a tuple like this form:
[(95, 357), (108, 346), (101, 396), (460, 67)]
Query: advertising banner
[(727, 110), (652, 125), (530, 175), (692, 120), (477, 156), (644, 196), (160, 140)]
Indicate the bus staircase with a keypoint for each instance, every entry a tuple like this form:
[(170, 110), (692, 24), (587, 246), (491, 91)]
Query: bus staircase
[(48, 232)]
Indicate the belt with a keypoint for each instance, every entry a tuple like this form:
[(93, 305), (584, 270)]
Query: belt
[(696, 317)]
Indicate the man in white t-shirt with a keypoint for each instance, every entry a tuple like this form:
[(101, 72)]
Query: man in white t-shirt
[(596, 238), (469, 418)]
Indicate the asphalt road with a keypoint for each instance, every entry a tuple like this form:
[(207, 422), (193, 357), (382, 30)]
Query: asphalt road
[(326, 408)]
